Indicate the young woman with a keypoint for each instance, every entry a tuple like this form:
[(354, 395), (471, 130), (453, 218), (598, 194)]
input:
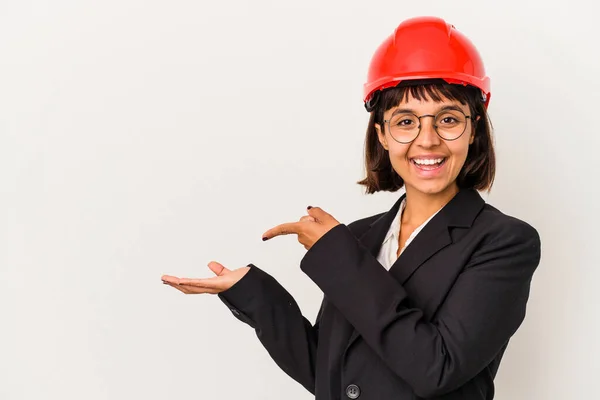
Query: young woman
[(419, 301)]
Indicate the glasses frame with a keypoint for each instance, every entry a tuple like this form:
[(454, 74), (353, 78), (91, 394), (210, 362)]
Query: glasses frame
[(435, 127)]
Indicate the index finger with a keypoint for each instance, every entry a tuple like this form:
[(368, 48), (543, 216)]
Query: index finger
[(206, 283), (283, 229), (170, 279)]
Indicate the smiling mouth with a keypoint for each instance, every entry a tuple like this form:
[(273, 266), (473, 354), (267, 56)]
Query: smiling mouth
[(429, 165)]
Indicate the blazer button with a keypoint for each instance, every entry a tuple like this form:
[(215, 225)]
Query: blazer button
[(353, 391)]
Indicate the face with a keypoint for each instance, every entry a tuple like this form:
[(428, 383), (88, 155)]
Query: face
[(429, 164)]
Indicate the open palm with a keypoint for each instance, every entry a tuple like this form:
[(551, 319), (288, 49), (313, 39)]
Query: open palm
[(225, 279)]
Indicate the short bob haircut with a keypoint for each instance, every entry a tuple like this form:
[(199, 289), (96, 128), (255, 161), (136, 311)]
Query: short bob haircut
[(480, 166)]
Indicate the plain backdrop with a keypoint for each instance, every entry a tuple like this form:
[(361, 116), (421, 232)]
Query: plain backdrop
[(141, 138)]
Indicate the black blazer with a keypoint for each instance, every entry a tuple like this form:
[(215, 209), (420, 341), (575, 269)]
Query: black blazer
[(435, 326)]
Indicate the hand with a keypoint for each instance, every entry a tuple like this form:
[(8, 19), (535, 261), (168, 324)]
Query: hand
[(224, 280), (309, 229)]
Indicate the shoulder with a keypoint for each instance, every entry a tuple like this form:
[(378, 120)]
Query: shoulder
[(500, 232), (496, 223)]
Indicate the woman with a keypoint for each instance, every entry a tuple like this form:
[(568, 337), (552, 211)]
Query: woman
[(419, 301)]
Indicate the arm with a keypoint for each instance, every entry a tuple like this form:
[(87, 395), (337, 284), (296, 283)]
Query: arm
[(291, 340), (482, 311)]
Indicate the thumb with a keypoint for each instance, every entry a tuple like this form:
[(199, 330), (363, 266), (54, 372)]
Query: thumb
[(218, 269)]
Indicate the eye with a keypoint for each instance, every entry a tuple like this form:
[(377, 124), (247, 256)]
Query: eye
[(405, 122), (448, 120)]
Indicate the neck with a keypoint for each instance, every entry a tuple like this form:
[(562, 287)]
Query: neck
[(420, 206)]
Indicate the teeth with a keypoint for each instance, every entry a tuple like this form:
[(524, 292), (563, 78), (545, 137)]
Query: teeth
[(428, 162)]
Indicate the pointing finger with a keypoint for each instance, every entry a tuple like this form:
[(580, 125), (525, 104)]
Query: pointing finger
[(283, 229)]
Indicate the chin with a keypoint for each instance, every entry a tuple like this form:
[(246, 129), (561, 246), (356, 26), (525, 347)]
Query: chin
[(431, 188)]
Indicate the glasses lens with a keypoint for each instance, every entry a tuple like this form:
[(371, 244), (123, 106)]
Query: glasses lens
[(450, 124), (404, 127)]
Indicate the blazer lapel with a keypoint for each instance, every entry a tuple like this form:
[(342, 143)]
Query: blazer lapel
[(433, 238), (459, 212), (372, 239)]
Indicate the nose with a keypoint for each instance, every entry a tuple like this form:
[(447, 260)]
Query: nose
[(427, 137)]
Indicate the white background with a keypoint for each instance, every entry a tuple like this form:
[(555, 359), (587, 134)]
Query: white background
[(140, 138)]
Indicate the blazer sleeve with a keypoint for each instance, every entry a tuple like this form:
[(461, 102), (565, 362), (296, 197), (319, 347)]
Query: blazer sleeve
[(291, 340), (481, 312)]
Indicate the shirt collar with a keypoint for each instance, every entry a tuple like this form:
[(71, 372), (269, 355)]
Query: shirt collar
[(394, 229)]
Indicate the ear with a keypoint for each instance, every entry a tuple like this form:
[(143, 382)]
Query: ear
[(381, 136)]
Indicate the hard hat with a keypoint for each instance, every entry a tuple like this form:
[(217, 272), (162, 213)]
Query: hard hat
[(425, 48)]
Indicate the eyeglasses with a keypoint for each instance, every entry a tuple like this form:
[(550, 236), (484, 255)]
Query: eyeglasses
[(449, 124)]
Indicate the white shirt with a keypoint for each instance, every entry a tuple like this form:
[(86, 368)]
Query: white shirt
[(389, 248)]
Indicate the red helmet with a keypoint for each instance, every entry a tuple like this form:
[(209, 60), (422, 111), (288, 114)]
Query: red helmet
[(425, 48)]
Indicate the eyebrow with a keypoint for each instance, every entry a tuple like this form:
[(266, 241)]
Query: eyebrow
[(443, 108)]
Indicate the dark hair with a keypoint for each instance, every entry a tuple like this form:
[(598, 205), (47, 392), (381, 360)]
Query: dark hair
[(480, 166)]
